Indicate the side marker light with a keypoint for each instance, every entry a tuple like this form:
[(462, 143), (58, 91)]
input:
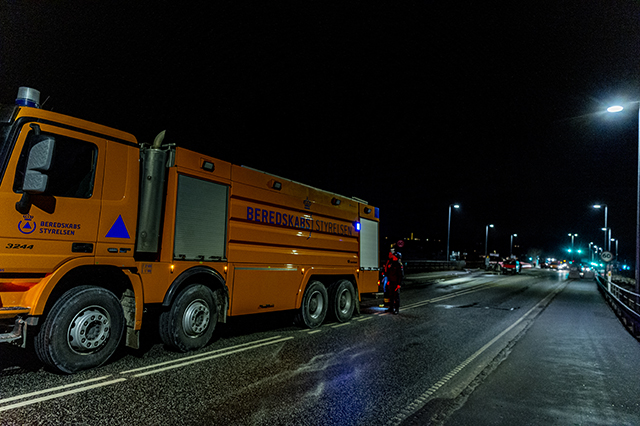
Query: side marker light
[(208, 166)]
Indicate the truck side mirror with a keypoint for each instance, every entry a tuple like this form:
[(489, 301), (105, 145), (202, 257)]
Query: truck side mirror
[(36, 178), (39, 162)]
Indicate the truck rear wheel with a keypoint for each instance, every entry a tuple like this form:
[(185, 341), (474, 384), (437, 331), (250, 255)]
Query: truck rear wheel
[(190, 322), (82, 330), (315, 303), (343, 300)]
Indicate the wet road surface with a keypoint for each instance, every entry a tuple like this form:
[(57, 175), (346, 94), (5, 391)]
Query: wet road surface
[(453, 335)]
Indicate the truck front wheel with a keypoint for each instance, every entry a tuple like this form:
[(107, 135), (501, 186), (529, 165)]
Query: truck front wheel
[(190, 322), (82, 330), (314, 305)]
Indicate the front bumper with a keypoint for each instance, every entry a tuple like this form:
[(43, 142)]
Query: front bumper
[(17, 335)]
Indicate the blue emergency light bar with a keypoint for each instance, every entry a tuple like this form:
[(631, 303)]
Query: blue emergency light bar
[(28, 97)]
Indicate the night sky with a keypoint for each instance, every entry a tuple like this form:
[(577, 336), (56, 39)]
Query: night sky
[(412, 106)]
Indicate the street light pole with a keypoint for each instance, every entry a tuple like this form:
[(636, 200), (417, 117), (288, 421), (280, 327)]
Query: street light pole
[(607, 238), (511, 248), (618, 109), (455, 206), (486, 241), (606, 210), (572, 237)]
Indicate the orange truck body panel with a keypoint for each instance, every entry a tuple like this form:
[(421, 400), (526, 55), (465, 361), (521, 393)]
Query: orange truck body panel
[(278, 234)]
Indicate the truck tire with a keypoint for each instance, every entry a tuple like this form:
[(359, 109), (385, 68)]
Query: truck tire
[(190, 322), (343, 300), (315, 304), (82, 330)]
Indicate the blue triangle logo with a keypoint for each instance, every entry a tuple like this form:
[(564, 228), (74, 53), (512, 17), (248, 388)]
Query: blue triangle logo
[(118, 229)]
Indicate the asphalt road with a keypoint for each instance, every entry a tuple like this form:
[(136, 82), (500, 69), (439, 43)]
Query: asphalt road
[(379, 369), (576, 365)]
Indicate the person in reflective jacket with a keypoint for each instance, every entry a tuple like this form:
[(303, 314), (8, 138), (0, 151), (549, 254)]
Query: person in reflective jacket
[(394, 272)]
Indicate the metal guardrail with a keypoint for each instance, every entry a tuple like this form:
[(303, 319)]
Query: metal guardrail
[(625, 303), (431, 265)]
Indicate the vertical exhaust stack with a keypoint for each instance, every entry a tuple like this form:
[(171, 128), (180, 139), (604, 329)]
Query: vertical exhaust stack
[(154, 166), (28, 97)]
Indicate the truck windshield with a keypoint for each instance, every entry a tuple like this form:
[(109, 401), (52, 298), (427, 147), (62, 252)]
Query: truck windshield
[(5, 148), (7, 116)]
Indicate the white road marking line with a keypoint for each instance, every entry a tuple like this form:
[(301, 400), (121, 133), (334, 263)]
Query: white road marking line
[(419, 402), (193, 359), (447, 296), (340, 325), (198, 355), (70, 385), (58, 395), (210, 357), (314, 331)]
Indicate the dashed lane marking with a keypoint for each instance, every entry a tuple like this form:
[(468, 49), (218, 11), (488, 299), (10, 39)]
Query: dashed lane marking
[(340, 325), (449, 296)]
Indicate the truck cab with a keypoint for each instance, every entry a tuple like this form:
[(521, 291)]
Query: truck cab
[(68, 205)]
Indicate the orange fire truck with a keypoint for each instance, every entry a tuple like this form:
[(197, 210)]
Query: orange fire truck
[(96, 227)]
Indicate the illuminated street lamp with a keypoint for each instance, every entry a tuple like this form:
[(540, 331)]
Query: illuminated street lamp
[(486, 241), (618, 108), (606, 209), (455, 206), (572, 237), (607, 238), (511, 249)]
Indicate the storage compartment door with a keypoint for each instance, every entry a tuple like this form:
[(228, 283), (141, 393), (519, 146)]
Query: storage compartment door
[(369, 244), (201, 220)]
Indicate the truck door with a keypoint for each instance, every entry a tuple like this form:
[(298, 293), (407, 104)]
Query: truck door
[(61, 222)]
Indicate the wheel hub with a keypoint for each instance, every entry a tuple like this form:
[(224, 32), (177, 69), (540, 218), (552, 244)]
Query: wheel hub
[(316, 305), (89, 330), (196, 318), (345, 301)]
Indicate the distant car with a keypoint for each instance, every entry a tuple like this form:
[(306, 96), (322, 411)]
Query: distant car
[(556, 266), (544, 265), (587, 272), (511, 266), (575, 271)]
